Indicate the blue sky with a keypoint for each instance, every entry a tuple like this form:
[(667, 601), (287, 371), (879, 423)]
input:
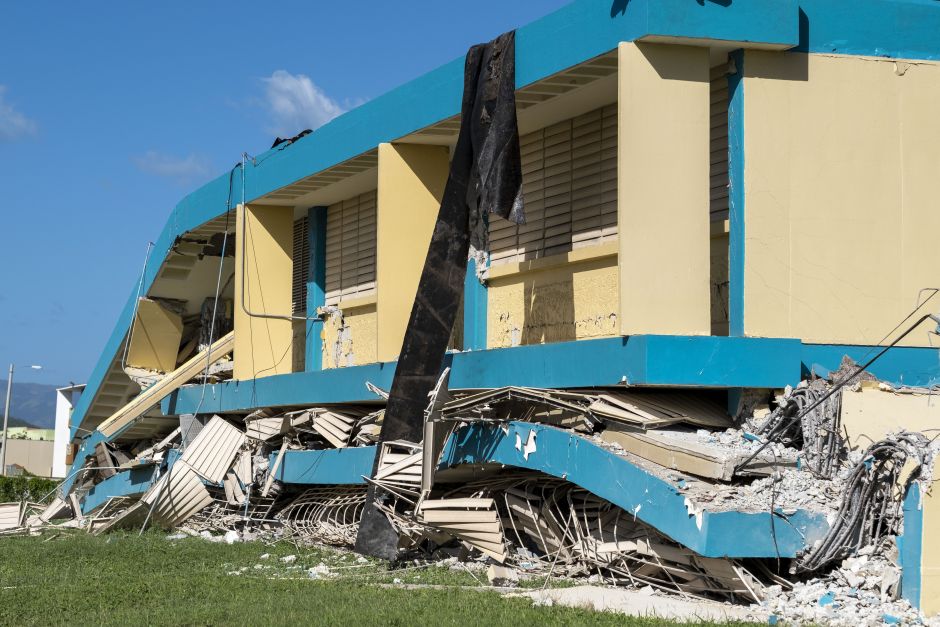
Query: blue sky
[(110, 112)]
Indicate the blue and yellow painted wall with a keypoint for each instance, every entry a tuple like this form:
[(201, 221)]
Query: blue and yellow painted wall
[(822, 129)]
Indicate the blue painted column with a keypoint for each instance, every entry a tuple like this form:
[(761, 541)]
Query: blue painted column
[(910, 545), (316, 288), (474, 310), (736, 196), (736, 210)]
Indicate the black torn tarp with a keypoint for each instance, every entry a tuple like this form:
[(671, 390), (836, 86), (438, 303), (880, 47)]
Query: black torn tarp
[(485, 177)]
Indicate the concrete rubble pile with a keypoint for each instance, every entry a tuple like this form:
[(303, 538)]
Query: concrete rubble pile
[(220, 475), (862, 590)]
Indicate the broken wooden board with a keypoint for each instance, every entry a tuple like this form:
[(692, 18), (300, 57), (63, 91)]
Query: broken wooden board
[(176, 496), (137, 407), (554, 407), (473, 521), (212, 452), (694, 458), (9, 515), (334, 427), (266, 428), (650, 410), (400, 466)]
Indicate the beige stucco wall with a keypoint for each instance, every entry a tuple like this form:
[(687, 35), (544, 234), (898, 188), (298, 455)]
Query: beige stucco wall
[(350, 334), (869, 414), (263, 346), (155, 337), (411, 181), (662, 192), (555, 299), (33, 455), (842, 194)]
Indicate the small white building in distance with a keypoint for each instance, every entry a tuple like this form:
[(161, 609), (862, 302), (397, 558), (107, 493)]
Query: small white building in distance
[(66, 398)]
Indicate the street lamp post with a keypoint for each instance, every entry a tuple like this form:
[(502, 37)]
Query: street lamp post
[(6, 418)]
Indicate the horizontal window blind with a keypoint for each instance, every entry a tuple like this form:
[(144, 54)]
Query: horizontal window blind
[(569, 184), (301, 268), (350, 248), (718, 168)]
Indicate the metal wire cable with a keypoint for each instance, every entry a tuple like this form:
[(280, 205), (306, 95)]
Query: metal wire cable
[(872, 502)]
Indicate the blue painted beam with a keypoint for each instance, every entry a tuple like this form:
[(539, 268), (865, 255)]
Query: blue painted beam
[(655, 502), (316, 288), (692, 361), (475, 297), (567, 456), (736, 226), (901, 365), (910, 545), (772, 24), (131, 482), (902, 29), (343, 466)]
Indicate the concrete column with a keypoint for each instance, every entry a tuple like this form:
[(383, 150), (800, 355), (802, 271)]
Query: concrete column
[(411, 181), (663, 179), (316, 288), (263, 264)]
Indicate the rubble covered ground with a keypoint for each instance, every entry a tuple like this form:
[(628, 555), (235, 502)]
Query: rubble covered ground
[(216, 479)]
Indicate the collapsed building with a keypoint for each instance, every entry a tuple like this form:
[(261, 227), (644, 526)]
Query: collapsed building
[(702, 361)]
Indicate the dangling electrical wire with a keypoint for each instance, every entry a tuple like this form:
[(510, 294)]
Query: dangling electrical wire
[(140, 288), (834, 389)]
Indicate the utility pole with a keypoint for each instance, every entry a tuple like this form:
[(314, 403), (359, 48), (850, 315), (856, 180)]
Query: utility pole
[(6, 417)]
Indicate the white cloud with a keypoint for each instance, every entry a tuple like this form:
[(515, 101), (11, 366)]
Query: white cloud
[(183, 170), (13, 124), (296, 103)]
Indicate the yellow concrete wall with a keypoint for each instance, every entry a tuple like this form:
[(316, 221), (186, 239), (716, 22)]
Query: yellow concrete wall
[(930, 553), (663, 196), (155, 338), (411, 181), (869, 414), (349, 334), (555, 299), (842, 194), (263, 346)]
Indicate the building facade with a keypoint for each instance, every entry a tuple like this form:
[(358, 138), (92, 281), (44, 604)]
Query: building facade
[(723, 196)]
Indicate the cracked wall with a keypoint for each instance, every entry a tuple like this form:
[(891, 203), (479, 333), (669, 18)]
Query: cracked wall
[(719, 278), (572, 301), (349, 336), (842, 195)]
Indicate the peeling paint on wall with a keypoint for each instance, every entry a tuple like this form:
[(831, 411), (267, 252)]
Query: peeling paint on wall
[(349, 336), (577, 301), (482, 260)]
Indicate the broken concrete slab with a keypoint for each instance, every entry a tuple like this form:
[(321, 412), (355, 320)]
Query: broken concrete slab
[(644, 603)]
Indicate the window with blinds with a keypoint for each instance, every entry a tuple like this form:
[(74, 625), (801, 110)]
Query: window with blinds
[(569, 183), (350, 248), (301, 268), (718, 185)]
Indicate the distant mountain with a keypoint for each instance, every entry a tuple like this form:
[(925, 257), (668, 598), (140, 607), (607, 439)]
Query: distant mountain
[(33, 403)]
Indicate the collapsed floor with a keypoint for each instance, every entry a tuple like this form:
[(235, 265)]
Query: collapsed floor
[(223, 474)]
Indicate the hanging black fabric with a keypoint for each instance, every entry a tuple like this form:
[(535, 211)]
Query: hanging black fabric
[(485, 176)]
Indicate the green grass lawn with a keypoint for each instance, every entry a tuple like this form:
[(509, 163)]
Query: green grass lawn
[(125, 579)]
